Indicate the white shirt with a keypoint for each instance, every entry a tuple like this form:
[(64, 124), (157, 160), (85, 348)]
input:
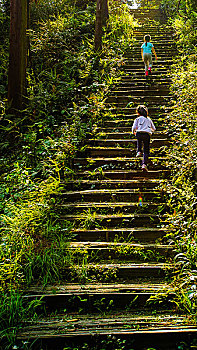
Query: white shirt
[(143, 124)]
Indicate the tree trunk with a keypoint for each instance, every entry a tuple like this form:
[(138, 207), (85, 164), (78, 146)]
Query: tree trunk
[(105, 12), (17, 54), (98, 27), (102, 14)]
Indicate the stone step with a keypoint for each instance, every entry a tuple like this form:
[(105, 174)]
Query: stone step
[(119, 163), (114, 220), (132, 98), (126, 111), (141, 83), (156, 72), (129, 101), (127, 136), (127, 122), (94, 288), (143, 19), (119, 127), (158, 148), (122, 174), (96, 297), (135, 101), (111, 184), (120, 144), (151, 100), (161, 54), (127, 252), (156, 38), (88, 208), (126, 91), (138, 68), (141, 79), (157, 44), (111, 195), (161, 50), (164, 32), (115, 127), (109, 272), (123, 234), (131, 62), (163, 331)]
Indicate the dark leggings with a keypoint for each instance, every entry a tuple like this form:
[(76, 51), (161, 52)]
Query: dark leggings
[(143, 137)]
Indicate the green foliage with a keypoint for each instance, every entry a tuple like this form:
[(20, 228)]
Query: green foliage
[(183, 155), (184, 19), (182, 188), (12, 313), (67, 84)]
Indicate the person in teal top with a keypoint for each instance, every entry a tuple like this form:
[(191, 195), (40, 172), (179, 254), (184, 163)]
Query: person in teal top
[(146, 52)]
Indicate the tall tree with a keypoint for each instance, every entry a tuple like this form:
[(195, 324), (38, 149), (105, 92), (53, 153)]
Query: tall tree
[(102, 14), (18, 53), (105, 12)]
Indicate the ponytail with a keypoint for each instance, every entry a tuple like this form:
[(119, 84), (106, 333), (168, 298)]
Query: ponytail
[(142, 110), (147, 38)]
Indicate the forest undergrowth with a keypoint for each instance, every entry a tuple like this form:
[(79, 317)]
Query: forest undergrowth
[(181, 190), (67, 84)]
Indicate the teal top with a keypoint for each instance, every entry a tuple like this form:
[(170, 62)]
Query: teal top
[(148, 48)]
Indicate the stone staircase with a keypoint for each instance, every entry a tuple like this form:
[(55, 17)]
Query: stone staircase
[(118, 294)]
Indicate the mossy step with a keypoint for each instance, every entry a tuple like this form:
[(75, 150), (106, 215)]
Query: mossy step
[(127, 122), (165, 32), (114, 220), (109, 208), (156, 39), (133, 82), (139, 234), (130, 62), (119, 127), (141, 83), (119, 272), (132, 98), (104, 301), (156, 72), (125, 111), (156, 69), (112, 195), (151, 100), (124, 251), (122, 174), (119, 163), (111, 184), (167, 45), (142, 19), (158, 147), (162, 52), (119, 145), (157, 115), (90, 288), (161, 332), (135, 101), (127, 135), (141, 79), (139, 92), (123, 123), (134, 90)]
